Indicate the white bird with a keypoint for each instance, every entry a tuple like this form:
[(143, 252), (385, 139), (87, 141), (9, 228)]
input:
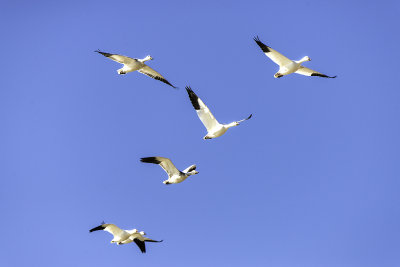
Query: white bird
[(133, 64), (214, 128), (125, 236), (175, 176), (288, 66)]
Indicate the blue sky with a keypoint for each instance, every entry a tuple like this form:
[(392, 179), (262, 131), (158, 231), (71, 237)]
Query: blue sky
[(311, 180)]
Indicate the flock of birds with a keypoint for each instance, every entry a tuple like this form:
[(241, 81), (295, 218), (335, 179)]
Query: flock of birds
[(214, 128)]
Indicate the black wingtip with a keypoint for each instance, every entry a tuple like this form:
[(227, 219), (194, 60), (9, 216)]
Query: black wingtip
[(263, 46), (140, 244), (103, 53), (98, 228), (323, 75), (251, 115), (167, 82), (193, 98), (150, 160), (161, 79), (154, 241)]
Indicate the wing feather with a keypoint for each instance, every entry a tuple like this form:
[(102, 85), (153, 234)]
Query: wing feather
[(165, 163), (248, 118), (274, 55), (146, 70), (204, 113), (146, 239), (309, 72), (111, 228), (140, 244), (118, 58)]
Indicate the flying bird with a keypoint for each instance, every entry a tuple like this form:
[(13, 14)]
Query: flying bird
[(288, 66), (125, 236), (175, 176), (133, 64), (214, 128)]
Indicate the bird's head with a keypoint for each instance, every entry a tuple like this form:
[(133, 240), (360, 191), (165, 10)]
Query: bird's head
[(193, 172), (148, 57), (121, 72)]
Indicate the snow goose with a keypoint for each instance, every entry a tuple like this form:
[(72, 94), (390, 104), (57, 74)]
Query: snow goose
[(125, 236), (133, 64), (214, 128), (287, 66), (175, 176)]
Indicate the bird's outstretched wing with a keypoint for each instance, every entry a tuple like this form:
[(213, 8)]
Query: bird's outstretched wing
[(118, 58), (274, 55), (140, 244), (249, 117), (111, 228), (204, 113), (146, 239), (309, 72), (146, 70), (165, 163)]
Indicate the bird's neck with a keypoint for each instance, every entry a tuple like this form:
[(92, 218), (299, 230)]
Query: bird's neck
[(146, 59), (230, 125), (304, 59)]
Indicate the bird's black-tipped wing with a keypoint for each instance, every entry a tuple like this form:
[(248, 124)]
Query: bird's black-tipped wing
[(309, 72), (146, 70), (165, 163), (154, 160), (151, 240), (323, 75), (98, 228), (193, 98), (140, 244), (249, 117), (204, 113), (274, 55), (118, 58), (264, 48)]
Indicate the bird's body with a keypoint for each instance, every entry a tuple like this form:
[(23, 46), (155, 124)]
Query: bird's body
[(214, 128), (125, 236), (135, 64), (175, 176), (286, 65)]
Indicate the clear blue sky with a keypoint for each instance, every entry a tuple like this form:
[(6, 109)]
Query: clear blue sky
[(311, 180)]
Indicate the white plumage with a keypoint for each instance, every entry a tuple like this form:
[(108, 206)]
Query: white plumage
[(214, 128), (288, 66), (125, 236), (175, 176), (135, 64)]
